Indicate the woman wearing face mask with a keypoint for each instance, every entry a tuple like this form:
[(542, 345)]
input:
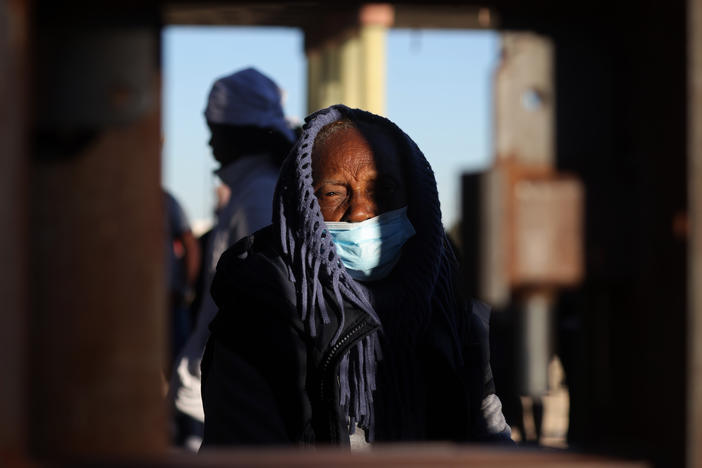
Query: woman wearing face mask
[(346, 313)]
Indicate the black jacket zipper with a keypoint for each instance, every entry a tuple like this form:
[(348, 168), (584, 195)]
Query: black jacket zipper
[(355, 332)]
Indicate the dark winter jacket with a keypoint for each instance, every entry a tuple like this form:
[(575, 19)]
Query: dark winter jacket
[(265, 381)]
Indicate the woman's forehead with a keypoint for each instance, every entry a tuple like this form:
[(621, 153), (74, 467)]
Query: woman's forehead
[(383, 148)]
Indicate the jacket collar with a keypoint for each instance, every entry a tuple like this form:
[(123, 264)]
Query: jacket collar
[(233, 173)]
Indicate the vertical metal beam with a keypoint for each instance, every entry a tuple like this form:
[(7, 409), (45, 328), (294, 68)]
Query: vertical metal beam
[(97, 257), (525, 101), (534, 346), (694, 373), (524, 142), (14, 25)]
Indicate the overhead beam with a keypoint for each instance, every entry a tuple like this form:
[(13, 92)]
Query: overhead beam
[(434, 16)]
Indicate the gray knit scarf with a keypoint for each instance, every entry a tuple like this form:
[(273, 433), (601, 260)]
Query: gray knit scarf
[(421, 284)]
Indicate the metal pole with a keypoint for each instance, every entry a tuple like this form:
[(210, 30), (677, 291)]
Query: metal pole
[(535, 345), (14, 26), (97, 256), (694, 285)]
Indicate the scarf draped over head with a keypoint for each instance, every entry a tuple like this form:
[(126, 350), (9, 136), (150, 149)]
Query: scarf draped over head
[(420, 283)]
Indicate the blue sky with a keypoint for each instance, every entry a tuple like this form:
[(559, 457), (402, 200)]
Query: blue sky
[(438, 91)]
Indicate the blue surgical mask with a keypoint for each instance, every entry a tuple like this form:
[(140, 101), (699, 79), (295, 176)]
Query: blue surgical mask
[(370, 249)]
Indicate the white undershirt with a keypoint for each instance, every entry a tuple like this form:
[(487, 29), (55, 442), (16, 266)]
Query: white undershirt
[(358, 440)]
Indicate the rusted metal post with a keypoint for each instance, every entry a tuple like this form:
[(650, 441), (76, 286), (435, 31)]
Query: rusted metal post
[(694, 284), (14, 25), (523, 203), (535, 344), (97, 256)]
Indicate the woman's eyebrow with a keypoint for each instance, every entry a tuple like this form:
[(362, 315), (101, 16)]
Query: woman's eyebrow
[(331, 182)]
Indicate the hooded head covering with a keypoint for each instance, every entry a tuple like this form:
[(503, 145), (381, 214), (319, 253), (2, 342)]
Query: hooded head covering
[(402, 304), (247, 98)]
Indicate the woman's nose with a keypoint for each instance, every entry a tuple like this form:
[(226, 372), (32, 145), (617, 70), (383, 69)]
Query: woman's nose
[(362, 207)]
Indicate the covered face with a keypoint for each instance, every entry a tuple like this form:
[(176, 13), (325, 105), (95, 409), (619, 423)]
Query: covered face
[(356, 179), (359, 182)]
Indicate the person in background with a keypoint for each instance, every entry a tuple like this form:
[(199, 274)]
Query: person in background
[(182, 264), (344, 322), (222, 194), (249, 138)]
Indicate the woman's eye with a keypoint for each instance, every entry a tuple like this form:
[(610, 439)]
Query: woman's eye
[(322, 193)]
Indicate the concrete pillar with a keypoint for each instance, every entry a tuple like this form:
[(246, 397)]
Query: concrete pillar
[(347, 62), (524, 143), (525, 101), (14, 25), (373, 46), (331, 92), (314, 79), (519, 195), (352, 66)]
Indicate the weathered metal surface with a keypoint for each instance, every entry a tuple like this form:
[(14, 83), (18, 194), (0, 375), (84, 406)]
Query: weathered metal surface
[(525, 101), (524, 144), (694, 283), (547, 232), (446, 16), (97, 274), (493, 279), (14, 24), (535, 346), (248, 14), (532, 230), (102, 81), (456, 16), (389, 456), (531, 216)]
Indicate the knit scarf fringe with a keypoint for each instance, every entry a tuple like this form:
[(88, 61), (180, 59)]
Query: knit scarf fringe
[(358, 364), (312, 262), (311, 255)]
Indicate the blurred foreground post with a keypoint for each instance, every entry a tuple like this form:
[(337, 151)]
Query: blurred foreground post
[(14, 33), (694, 366), (532, 215), (96, 232)]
